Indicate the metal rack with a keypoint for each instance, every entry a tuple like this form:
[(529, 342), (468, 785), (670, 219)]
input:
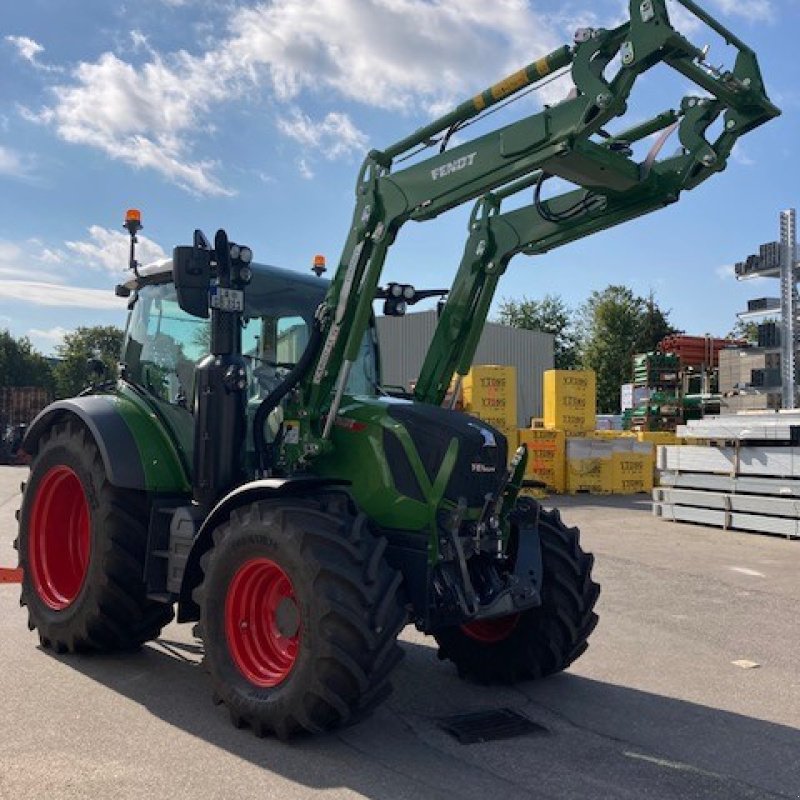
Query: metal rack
[(779, 260)]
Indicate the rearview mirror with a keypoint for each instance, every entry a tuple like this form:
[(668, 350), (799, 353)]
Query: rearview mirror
[(191, 271)]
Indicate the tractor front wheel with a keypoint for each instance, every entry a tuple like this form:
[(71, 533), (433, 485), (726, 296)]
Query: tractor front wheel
[(82, 546), (299, 615), (539, 641)]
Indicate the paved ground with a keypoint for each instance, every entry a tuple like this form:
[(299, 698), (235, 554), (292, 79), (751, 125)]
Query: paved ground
[(655, 709)]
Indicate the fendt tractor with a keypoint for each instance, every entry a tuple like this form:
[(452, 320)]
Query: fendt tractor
[(248, 466)]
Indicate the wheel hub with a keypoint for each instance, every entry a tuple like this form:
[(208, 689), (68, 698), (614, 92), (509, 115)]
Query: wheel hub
[(262, 622), (491, 631), (59, 538)]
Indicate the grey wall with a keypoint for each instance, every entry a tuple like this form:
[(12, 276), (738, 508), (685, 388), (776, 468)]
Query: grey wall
[(405, 340)]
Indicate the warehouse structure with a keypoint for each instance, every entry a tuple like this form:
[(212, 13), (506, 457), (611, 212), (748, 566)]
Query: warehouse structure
[(404, 341)]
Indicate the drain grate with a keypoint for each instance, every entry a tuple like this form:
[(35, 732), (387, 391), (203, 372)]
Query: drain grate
[(488, 726)]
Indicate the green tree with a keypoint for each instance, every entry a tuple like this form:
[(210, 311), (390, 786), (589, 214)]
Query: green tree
[(615, 324), (746, 330), (71, 373), (21, 365), (550, 315), (654, 326)]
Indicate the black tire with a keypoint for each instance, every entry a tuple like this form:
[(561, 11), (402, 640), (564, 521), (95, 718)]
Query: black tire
[(347, 615), (109, 609), (542, 640)]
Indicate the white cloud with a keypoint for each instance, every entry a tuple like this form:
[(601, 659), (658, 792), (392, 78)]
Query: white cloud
[(726, 272), (56, 295), (334, 136), (681, 19), (23, 259), (109, 250), (393, 54), (739, 155), (398, 55), (305, 169), (753, 10), (14, 164), (47, 340), (138, 116), (52, 335), (29, 49)]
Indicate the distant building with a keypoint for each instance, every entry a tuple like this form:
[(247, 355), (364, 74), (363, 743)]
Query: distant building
[(404, 341)]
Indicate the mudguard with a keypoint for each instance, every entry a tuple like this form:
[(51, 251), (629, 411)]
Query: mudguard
[(137, 451), (242, 495)]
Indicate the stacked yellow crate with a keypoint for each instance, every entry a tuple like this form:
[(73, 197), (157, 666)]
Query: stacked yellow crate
[(490, 393), (546, 457), (589, 465), (570, 402), (632, 467)]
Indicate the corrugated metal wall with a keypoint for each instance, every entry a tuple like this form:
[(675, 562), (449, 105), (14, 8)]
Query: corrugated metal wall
[(405, 340)]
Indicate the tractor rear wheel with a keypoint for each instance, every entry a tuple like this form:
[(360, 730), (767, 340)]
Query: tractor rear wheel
[(539, 641), (82, 546), (299, 615)]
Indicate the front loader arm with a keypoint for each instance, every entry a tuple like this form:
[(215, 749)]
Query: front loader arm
[(555, 141), (495, 237)]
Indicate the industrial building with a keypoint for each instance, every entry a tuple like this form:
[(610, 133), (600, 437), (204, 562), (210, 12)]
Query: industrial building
[(404, 341)]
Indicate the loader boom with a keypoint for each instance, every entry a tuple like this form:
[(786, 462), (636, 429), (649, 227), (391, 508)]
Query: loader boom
[(565, 140)]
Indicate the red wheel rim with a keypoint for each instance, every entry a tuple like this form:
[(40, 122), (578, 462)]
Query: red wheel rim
[(490, 631), (262, 622), (59, 538)]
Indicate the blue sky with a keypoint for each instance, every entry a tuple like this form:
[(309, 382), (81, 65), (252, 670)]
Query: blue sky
[(254, 116)]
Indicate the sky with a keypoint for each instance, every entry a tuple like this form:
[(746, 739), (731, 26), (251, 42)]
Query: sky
[(255, 117)]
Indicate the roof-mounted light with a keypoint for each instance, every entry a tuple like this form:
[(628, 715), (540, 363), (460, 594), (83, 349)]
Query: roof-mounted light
[(133, 221), (319, 265)]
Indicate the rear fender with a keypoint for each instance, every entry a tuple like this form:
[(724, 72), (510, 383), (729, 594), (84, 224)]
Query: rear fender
[(137, 452), (243, 495)]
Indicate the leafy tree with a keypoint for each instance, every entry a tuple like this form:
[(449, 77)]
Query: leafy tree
[(746, 330), (72, 374), (615, 324), (654, 326), (21, 365), (550, 315)]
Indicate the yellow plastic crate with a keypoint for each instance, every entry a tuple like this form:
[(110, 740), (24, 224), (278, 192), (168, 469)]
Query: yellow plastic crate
[(632, 472), (570, 402), (490, 392), (508, 427), (593, 475), (546, 457)]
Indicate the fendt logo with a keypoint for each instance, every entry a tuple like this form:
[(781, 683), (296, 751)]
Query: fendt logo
[(453, 166)]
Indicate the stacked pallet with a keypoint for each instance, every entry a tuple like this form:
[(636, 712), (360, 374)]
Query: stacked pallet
[(659, 375), (748, 479)]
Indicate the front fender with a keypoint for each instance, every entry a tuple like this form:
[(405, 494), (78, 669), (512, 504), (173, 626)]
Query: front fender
[(137, 451), (245, 494)]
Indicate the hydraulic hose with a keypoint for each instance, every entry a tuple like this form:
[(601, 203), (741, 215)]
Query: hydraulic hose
[(271, 401)]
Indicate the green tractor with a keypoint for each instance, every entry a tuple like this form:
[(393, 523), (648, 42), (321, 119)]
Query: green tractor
[(249, 467)]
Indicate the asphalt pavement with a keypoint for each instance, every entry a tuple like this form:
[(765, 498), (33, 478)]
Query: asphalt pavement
[(666, 703)]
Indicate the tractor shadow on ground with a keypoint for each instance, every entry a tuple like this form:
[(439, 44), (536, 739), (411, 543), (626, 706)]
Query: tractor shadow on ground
[(602, 740)]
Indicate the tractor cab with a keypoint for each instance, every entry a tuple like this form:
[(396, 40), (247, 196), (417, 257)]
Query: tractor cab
[(163, 343)]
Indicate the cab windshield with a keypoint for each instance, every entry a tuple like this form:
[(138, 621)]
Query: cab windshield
[(163, 344)]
